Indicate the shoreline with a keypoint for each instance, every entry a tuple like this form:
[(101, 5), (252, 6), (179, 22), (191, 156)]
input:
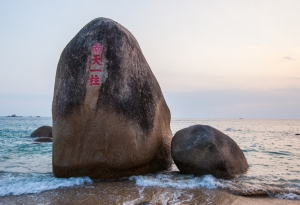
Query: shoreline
[(127, 193)]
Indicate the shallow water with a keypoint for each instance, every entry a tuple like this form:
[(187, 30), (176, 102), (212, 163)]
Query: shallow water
[(270, 146), (128, 193)]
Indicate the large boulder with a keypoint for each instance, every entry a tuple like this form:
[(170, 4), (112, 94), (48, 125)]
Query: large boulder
[(110, 119), (43, 131), (201, 149)]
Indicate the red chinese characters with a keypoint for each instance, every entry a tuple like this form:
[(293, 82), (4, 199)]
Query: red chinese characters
[(95, 65), (96, 60), (94, 80), (97, 48)]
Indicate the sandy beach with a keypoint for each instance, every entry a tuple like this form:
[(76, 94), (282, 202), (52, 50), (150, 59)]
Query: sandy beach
[(126, 192)]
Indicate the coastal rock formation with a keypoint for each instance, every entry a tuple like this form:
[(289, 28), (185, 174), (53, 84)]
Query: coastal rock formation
[(110, 119), (43, 139), (43, 131), (201, 149)]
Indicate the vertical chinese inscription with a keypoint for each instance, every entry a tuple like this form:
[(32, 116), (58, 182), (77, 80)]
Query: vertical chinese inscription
[(96, 64)]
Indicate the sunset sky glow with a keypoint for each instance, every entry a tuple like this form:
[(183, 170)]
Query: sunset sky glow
[(212, 59)]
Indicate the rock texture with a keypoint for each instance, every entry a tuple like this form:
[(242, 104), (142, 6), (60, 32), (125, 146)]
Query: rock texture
[(201, 149), (43, 131), (110, 119)]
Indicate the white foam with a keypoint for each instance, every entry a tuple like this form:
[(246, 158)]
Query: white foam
[(17, 184), (288, 196), (137, 200), (176, 197), (165, 197), (177, 181)]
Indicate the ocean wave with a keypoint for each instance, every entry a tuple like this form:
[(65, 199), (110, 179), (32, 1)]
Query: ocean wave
[(280, 153), (177, 181), (180, 181), (20, 183), (288, 196)]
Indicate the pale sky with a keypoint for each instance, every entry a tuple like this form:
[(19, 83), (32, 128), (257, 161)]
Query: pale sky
[(213, 59)]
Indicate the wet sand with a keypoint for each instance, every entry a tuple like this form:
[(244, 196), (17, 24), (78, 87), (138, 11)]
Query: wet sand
[(126, 192)]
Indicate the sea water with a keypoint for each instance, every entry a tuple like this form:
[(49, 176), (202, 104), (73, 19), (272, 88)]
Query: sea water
[(270, 146)]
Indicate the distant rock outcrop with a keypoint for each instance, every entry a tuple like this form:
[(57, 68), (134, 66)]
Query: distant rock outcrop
[(43, 131), (13, 115), (110, 119), (201, 149), (43, 139)]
